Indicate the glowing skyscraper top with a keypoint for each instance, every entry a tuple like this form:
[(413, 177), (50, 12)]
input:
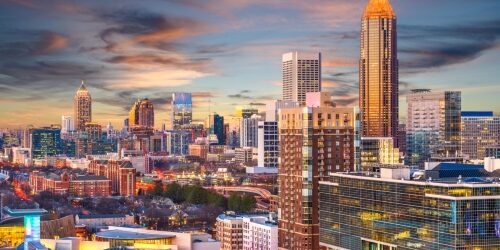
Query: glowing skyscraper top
[(378, 71), (83, 107)]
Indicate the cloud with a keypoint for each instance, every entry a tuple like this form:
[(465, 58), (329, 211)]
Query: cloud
[(430, 47), (174, 61), (257, 104), (140, 27), (239, 96)]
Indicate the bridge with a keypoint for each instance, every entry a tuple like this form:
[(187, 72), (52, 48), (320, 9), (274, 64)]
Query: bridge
[(254, 190)]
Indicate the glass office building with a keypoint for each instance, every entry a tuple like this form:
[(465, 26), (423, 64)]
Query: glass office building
[(182, 109), (45, 142), (359, 211)]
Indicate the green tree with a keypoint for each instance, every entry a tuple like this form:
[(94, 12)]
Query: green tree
[(174, 192), (234, 201), (247, 203)]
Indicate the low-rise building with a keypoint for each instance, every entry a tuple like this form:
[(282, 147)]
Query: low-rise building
[(247, 231), (458, 209)]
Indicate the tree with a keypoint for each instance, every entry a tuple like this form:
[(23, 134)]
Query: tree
[(247, 203), (174, 192), (234, 201)]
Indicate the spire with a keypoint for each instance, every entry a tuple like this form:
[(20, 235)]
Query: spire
[(82, 88), (379, 9)]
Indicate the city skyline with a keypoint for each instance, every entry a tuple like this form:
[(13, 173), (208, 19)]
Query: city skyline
[(130, 51)]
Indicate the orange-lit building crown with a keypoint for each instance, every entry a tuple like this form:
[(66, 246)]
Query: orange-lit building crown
[(379, 9)]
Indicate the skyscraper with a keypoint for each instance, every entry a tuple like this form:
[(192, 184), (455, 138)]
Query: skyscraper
[(182, 109), (215, 126), (301, 75), (314, 141), (249, 131), (83, 107), (378, 71), (67, 124), (141, 114), (45, 142), (146, 114), (433, 126)]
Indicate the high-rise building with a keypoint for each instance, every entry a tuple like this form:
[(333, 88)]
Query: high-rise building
[(67, 124), (45, 142), (268, 150), (273, 107), (390, 210), (182, 109), (215, 126), (83, 107), (141, 115), (314, 141), (301, 75), (26, 142), (479, 130), (249, 131), (246, 112), (378, 71), (433, 125), (378, 151)]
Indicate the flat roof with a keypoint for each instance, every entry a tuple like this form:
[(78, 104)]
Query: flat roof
[(364, 176), (130, 235), (24, 212)]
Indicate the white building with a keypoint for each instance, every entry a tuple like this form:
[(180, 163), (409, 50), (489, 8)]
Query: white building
[(246, 232), (249, 131), (259, 233), (301, 75), (21, 155), (67, 124)]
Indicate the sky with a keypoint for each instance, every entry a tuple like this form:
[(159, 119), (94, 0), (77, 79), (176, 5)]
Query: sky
[(227, 53)]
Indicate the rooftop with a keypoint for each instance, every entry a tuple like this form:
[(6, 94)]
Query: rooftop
[(128, 235), (99, 216), (379, 9), (24, 212), (477, 113)]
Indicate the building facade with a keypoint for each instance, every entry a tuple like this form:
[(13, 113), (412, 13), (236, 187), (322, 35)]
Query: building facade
[(268, 144), (249, 131), (301, 75), (359, 211), (246, 232), (82, 107), (141, 115), (479, 130), (45, 142), (121, 174), (182, 109), (215, 126), (377, 151), (378, 71), (67, 124), (433, 126), (314, 141)]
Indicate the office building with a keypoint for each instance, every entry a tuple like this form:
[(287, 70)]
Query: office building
[(273, 107), (301, 75), (454, 207), (433, 125), (82, 107), (378, 71), (182, 109), (314, 141), (246, 232), (215, 126), (493, 151), (249, 131), (268, 144), (243, 155), (246, 112), (199, 150), (141, 115), (479, 130), (67, 124), (378, 151), (177, 142), (233, 137), (45, 142)]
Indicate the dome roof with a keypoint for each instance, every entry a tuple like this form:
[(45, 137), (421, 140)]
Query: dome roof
[(379, 9)]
